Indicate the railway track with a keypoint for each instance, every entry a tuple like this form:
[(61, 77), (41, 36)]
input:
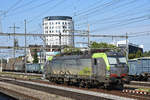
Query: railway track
[(90, 94), (140, 83), (21, 73)]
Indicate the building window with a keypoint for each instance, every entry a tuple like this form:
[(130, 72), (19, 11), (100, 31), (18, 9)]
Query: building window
[(56, 22), (63, 23), (64, 27), (45, 23)]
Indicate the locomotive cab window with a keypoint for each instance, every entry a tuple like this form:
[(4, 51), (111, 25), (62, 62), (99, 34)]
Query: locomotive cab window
[(112, 60), (122, 60)]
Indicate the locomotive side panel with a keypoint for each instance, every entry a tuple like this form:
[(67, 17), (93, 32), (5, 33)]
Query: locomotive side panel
[(71, 66)]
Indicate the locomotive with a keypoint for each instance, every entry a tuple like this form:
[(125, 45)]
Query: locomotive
[(100, 70)]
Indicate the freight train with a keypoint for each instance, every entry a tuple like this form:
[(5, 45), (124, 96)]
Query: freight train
[(18, 65), (139, 69), (101, 70)]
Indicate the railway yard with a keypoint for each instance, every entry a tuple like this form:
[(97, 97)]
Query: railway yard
[(74, 50), (34, 82), (99, 76)]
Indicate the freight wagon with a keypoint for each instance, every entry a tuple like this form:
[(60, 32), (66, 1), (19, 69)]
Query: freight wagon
[(9, 65), (139, 69), (18, 65), (34, 68), (105, 70)]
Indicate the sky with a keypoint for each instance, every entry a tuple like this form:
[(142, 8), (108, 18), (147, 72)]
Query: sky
[(111, 17)]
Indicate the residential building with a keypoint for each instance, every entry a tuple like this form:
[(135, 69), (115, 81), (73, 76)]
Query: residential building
[(59, 25)]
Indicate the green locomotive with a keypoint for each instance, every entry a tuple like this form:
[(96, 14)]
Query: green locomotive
[(96, 70)]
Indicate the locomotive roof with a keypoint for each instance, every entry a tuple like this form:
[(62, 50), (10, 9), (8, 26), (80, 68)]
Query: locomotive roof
[(119, 54), (72, 57)]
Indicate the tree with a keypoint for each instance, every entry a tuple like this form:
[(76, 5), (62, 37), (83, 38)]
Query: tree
[(146, 54), (138, 54), (131, 56), (72, 50), (102, 45), (35, 57)]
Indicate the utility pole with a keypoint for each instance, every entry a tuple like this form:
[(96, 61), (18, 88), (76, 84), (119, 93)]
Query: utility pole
[(25, 51), (44, 55), (127, 48), (14, 27), (88, 35), (1, 25), (73, 36), (60, 40), (1, 13), (1, 65)]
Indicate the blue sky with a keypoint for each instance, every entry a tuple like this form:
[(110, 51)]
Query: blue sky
[(113, 17)]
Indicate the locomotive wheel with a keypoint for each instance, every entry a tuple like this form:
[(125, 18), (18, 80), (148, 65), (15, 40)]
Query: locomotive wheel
[(108, 86), (119, 87), (82, 84), (87, 84)]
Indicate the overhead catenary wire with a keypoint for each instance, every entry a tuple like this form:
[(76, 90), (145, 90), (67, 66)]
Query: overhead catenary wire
[(107, 4), (98, 8), (65, 35), (25, 4), (13, 6), (45, 11), (125, 22), (31, 8), (138, 32), (118, 25), (123, 14), (102, 12), (89, 7)]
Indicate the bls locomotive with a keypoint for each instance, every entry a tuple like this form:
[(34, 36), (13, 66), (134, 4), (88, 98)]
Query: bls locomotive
[(100, 70)]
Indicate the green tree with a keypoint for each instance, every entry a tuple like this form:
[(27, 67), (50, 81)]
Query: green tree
[(138, 54), (146, 54), (131, 56), (101, 45), (72, 50), (35, 57)]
